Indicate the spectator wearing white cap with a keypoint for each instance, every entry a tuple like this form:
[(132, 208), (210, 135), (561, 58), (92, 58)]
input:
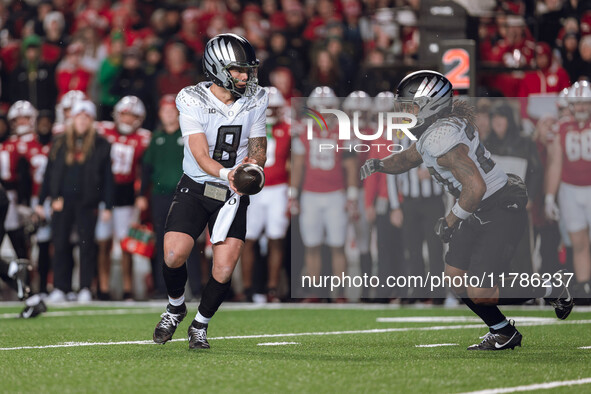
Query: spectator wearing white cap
[(77, 179)]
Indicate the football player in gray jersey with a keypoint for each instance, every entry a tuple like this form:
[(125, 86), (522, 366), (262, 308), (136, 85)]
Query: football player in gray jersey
[(223, 125), (489, 217)]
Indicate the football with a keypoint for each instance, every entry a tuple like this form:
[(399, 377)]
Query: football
[(249, 179)]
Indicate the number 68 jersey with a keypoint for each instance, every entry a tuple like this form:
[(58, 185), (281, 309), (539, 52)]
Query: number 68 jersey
[(226, 127), (575, 140), (445, 134)]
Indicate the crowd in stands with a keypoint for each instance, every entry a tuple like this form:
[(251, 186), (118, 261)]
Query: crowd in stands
[(110, 50)]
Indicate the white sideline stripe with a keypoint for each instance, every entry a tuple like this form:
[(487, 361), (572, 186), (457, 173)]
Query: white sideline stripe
[(437, 345), (89, 313), (531, 387), (585, 347), (455, 319), (277, 343), (295, 334)]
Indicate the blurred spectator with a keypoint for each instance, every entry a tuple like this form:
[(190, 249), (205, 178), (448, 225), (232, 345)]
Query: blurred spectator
[(71, 74), (316, 27), (585, 51), (482, 119), (515, 49), (373, 76), (190, 34), (55, 39), (153, 64), (326, 72), (294, 15), (178, 72), (517, 155), (77, 178), (347, 65), (282, 78), (571, 58), (280, 56), (108, 71), (276, 18), (161, 170), (43, 9), (92, 57), (352, 29), (33, 80), (550, 76), (133, 81)]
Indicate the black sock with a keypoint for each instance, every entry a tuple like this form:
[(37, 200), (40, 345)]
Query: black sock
[(43, 263), (212, 297), (4, 274), (490, 314), (175, 279), (176, 309)]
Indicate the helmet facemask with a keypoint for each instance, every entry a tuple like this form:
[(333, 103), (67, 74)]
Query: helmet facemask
[(251, 82)]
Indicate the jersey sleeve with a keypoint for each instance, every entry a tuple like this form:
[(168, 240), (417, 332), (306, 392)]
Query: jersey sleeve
[(189, 118), (442, 137), (259, 128)]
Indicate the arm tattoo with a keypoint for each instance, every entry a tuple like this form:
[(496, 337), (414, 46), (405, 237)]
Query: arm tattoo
[(398, 163), (465, 171), (257, 150)]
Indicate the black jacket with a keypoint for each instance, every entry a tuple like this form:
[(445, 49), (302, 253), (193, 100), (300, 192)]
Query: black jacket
[(97, 177)]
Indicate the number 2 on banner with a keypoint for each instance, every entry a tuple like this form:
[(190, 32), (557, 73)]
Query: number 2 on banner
[(458, 60)]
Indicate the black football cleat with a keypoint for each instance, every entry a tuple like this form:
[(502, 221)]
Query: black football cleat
[(498, 341), (168, 323), (198, 336), (33, 310), (563, 305)]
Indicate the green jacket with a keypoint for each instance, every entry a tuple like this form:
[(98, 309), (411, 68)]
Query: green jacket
[(107, 75), (163, 163)]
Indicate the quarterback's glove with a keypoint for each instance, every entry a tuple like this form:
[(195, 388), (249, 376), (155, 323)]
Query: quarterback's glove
[(443, 231), (550, 208), (371, 166)]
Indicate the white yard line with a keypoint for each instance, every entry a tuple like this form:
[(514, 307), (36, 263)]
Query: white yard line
[(532, 387), (96, 312), (277, 343), (437, 345), (456, 319), (585, 347), (297, 334)]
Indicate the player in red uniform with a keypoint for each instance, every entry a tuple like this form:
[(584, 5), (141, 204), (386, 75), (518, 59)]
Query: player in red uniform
[(569, 174), (14, 172), (320, 168), (267, 212), (128, 143), (34, 148)]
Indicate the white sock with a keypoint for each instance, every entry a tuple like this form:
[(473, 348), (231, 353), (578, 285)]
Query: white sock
[(12, 269), (33, 300), (548, 291), (176, 301), (202, 319)]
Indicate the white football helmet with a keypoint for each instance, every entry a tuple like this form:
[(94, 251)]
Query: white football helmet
[(132, 105), (323, 97), (384, 102), (579, 100), (276, 105), (67, 102), (22, 109), (361, 102)]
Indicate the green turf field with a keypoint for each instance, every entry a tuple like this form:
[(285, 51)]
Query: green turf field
[(333, 350)]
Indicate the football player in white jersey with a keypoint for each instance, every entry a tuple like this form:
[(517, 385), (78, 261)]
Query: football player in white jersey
[(489, 217), (223, 125)]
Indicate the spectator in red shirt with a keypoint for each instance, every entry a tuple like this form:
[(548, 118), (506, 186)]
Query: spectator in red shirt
[(550, 77), (70, 74), (52, 49), (191, 34), (178, 72)]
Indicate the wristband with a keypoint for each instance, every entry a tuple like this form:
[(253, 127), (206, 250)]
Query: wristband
[(292, 192), (224, 173), (460, 212), (352, 193), (549, 199)]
